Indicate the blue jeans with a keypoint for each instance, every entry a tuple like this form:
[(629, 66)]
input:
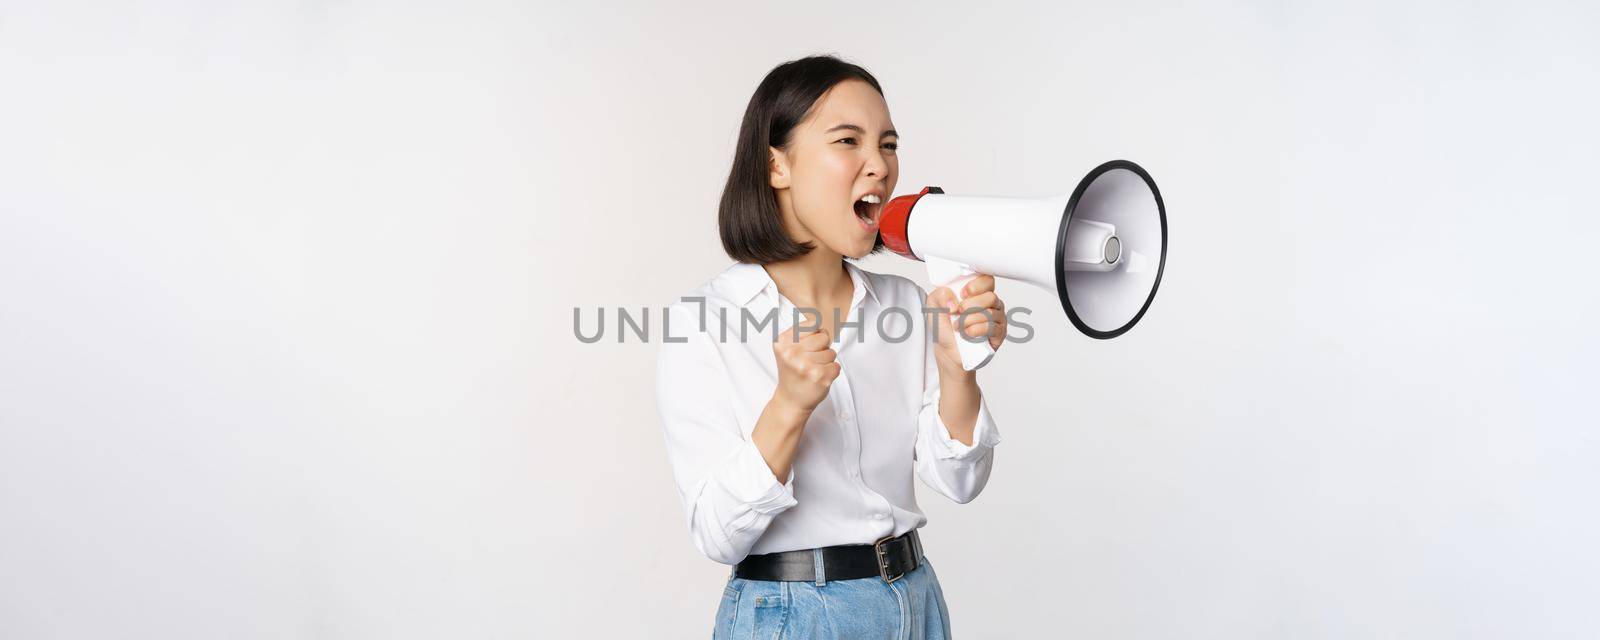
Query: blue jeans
[(911, 608)]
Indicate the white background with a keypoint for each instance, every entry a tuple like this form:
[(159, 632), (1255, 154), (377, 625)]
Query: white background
[(286, 333)]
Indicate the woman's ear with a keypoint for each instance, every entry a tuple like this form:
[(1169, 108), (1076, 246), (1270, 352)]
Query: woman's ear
[(777, 168)]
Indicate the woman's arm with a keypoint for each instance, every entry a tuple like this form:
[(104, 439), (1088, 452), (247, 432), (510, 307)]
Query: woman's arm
[(807, 367), (958, 403), (955, 433), (983, 315), (954, 459), (777, 434), (730, 485), (730, 493)]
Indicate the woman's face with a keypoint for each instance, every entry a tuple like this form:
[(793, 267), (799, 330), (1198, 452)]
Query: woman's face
[(843, 152)]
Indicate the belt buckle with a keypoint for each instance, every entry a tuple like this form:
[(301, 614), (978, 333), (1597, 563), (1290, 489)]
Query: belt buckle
[(883, 560)]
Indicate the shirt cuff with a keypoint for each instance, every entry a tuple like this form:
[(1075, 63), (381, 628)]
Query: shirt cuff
[(984, 435), (748, 480)]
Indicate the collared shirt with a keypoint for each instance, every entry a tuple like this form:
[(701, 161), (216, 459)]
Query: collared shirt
[(851, 478)]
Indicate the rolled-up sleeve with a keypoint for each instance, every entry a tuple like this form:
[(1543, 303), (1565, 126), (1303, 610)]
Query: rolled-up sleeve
[(729, 494), (955, 470)]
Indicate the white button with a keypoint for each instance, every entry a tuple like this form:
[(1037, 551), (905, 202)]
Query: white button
[(855, 473), (878, 516)]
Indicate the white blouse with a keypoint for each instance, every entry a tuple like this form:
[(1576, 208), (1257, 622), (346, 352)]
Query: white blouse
[(851, 479)]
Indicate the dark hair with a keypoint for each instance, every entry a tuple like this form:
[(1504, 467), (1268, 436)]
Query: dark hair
[(748, 216)]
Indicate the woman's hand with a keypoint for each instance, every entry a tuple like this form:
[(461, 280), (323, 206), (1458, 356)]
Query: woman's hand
[(806, 368), (979, 301)]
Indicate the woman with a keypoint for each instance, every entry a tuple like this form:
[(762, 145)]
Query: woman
[(844, 402)]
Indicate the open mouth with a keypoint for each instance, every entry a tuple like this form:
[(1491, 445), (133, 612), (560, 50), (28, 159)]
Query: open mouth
[(867, 209)]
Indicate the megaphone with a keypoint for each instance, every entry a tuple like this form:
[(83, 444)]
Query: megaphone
[(1101, 249)]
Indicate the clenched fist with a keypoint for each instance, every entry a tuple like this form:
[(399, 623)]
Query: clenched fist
[(806, 368)]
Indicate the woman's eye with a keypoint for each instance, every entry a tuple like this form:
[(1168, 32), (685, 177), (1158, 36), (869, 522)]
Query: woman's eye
[(892, 146)]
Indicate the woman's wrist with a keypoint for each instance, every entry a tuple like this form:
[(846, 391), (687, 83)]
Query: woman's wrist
[(956, 374), (787, 412), (959, 399)]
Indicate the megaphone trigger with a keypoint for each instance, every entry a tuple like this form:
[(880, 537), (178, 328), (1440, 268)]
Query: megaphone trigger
[(955, 276)]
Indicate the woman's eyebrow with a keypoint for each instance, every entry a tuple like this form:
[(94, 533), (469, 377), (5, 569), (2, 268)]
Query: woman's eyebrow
[(851, 127)]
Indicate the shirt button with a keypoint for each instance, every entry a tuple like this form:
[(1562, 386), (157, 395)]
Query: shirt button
[(878, 516)]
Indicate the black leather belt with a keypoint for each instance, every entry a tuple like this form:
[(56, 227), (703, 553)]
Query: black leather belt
[(889, 558)]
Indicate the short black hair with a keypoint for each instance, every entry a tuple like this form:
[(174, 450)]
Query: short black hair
[(748, 216)]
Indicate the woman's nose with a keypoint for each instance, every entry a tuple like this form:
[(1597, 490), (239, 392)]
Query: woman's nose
[(876, 167)]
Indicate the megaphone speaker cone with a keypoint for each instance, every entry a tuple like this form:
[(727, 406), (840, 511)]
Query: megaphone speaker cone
[(1114, 224)]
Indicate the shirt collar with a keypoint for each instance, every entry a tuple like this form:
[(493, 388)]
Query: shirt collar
[(746, 279)]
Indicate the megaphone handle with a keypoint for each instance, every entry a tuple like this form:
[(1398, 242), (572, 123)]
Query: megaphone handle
[(955, 275)]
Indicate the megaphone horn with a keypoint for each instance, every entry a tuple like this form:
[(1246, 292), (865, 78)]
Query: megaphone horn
[(1102, 248)]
